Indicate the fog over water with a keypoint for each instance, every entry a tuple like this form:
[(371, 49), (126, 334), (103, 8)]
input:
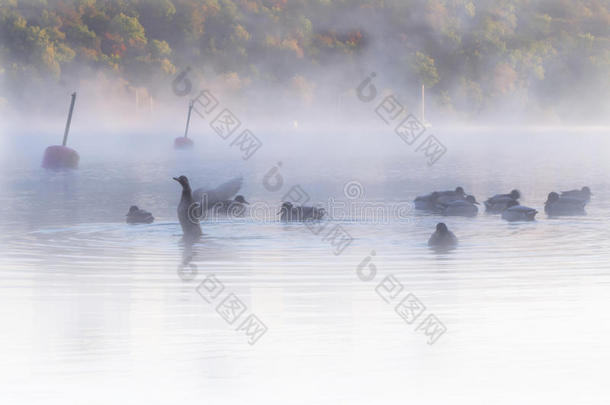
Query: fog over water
[(95, 310)]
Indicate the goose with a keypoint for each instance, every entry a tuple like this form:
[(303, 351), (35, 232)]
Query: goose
[(289, 212), (516, 212), (584, 194), (442, 237), (462, 208), (556, 205), (193, 203), (138, 216)]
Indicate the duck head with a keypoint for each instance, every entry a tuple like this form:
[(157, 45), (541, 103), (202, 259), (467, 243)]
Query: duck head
[(441, 228), (515, 194), (459, 190), (586, 190), (286, 207), (240, 199), (133, 209), (472, 200), (553, 196), (183, 181)]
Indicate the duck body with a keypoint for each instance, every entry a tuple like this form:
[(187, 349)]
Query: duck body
[(584, 194), (139, 216), (442, 237), (557, 206), (501, 202), (459, 207), (430, 201), (234, 208), (498, 205), (519, 213), (426, 202), (289, 212)]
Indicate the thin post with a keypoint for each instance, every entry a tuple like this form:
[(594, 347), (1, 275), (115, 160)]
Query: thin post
[(423, 104), (69, 119), (188, 119)]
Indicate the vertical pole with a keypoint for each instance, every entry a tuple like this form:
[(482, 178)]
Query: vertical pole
[(188, 119), (423, 104), (69, 119)]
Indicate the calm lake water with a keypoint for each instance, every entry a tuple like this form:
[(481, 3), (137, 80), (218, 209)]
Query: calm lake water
[(94, 309)]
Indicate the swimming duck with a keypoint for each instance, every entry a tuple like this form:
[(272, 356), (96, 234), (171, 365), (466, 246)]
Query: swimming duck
[(462, 208), (556, 205), (429, 201), (139, 216), (584, 194), (233, 208), (442, 237), (193, 203), (516, 212), (289, 212), (500, 202)]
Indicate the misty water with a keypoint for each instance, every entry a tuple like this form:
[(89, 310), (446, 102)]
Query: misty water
[(89, 302)]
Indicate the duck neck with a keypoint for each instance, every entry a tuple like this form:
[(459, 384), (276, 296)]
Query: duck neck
[(186, 192)]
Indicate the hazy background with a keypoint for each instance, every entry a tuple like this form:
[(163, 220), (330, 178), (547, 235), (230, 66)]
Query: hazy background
[(515, 61)]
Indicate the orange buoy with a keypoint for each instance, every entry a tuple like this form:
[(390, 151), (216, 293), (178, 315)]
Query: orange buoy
[(60, 156)]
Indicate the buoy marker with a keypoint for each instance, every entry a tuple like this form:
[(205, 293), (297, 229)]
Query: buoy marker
[(184, 142), (60, 156)]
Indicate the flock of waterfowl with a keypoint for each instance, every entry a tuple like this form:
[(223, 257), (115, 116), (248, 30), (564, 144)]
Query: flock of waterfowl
[(194, 204), (458, 203)]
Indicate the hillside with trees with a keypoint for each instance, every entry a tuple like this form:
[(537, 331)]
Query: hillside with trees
[(473, 55)]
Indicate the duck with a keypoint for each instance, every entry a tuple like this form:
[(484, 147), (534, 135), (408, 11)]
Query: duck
[(429, 201), (584, 194), (234, 208), (194, 203), (460, 207), (517, 212), (289, 212), (556, 205), (139, 216), (500, 202), (426, 202), (442, 237)]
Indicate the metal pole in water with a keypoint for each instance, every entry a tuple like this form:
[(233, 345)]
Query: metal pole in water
[(188, 119), (69, 119), (423, 103)]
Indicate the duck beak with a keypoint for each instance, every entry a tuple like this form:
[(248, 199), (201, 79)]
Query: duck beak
[(246, 202), (177, 179)]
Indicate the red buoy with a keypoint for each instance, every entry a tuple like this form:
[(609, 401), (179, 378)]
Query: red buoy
[(60, 156), (184, 142)]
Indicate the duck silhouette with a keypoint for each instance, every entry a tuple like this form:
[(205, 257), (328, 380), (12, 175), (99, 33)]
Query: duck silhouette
[(584, 194), (557, 206), (289, 212), (194, 203), (515, 212), (442, 237), (500, 202), (460, 207), (138, 216), (429, 201)]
